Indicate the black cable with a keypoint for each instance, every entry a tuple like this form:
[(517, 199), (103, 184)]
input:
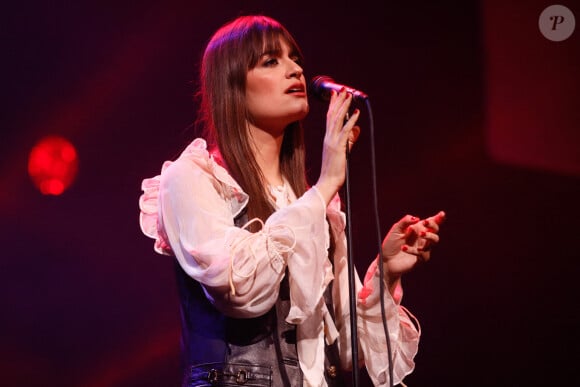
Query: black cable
[(351, 279), (379, 240), (351, 268)]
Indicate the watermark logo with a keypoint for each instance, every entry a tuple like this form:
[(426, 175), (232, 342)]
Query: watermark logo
[(557, 23)]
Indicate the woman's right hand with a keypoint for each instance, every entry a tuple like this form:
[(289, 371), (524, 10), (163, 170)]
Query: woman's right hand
[(338, 136)]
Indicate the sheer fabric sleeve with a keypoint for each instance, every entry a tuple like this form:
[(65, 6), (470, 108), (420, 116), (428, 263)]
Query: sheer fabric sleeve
[(240, 271), (404, 335)]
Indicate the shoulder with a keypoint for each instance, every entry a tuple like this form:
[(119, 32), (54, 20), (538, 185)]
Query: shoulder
[(197, 171), (194, 163)]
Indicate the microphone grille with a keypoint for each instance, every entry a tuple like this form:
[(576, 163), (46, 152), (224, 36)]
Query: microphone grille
[(317, 89)]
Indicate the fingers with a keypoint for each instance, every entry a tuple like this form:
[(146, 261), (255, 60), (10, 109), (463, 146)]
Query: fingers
[(429, 236), (420, 253), (420, 236), (403, 225), (337, 114), (334, 151), (432, 223), (340, 102), (426, 228), (354, 133), (353, 136)]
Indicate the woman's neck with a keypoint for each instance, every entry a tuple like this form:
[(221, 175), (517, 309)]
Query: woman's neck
[(267, 147)]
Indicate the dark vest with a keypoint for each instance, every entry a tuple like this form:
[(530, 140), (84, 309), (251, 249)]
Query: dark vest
[(223, 351)]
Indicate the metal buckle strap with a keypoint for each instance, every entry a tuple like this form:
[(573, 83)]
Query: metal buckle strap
[(241, 376)]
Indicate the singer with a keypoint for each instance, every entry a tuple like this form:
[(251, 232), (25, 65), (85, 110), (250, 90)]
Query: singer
[(260, 254)]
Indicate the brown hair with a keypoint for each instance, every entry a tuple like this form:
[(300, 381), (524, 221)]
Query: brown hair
[(232, 51)]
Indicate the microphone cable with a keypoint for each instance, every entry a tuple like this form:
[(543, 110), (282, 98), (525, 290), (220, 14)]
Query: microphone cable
[(351, 271), (379, 240)]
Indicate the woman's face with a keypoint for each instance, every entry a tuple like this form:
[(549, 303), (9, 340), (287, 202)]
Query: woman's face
[(276, 90)]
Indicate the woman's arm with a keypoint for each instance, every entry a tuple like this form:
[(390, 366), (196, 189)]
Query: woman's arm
[(403, 328), (239, 270)]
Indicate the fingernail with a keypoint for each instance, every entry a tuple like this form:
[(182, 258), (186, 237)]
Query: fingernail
[(425, 222), (356, 111), (423, 233), (404, 248), (342, 89), (414, 219)]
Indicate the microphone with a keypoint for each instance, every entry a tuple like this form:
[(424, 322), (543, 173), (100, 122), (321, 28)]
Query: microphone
[(322, 85)]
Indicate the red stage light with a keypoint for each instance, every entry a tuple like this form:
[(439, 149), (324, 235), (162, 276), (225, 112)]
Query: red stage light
[(53, 165)]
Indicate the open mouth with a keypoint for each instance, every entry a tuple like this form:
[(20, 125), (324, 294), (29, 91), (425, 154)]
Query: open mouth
[(295, 89)]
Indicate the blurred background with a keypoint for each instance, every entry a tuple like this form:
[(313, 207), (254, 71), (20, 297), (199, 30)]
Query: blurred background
[(476, 112)]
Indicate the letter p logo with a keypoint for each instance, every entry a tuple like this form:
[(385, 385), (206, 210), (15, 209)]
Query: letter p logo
[(556, 23), (557, 20)]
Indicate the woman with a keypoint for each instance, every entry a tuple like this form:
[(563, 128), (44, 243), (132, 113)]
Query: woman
[(262, 267)]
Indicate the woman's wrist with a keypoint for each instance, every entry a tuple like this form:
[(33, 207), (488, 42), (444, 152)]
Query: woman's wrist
[(327, 191)]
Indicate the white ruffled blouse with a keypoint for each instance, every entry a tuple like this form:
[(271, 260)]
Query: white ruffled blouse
[(189, 211)]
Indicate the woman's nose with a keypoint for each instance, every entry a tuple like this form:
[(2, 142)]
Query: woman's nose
[(295, 70)]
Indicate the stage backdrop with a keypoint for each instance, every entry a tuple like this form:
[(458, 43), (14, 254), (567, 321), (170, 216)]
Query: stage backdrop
[(475, 112)]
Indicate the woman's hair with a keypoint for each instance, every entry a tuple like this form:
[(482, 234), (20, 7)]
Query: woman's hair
[(232, 51)]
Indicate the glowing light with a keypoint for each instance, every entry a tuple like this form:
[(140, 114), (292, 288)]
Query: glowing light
[(53, 165)]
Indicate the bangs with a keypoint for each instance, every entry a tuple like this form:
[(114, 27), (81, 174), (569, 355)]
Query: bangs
[(244, 41), (268, 40)]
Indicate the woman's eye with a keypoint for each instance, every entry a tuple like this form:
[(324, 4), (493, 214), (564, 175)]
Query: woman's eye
[(271, 62)]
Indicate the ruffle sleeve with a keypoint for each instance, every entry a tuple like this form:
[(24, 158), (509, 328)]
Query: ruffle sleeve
[(149, 220), (189, 210), (149, 213), (404, 330)]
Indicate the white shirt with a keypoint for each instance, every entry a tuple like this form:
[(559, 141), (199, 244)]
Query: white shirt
[(189, 210)]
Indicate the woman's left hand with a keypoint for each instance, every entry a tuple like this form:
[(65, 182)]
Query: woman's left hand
[(408, 242)]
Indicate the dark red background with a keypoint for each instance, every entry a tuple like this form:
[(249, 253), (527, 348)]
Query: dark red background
[(475, 112)]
